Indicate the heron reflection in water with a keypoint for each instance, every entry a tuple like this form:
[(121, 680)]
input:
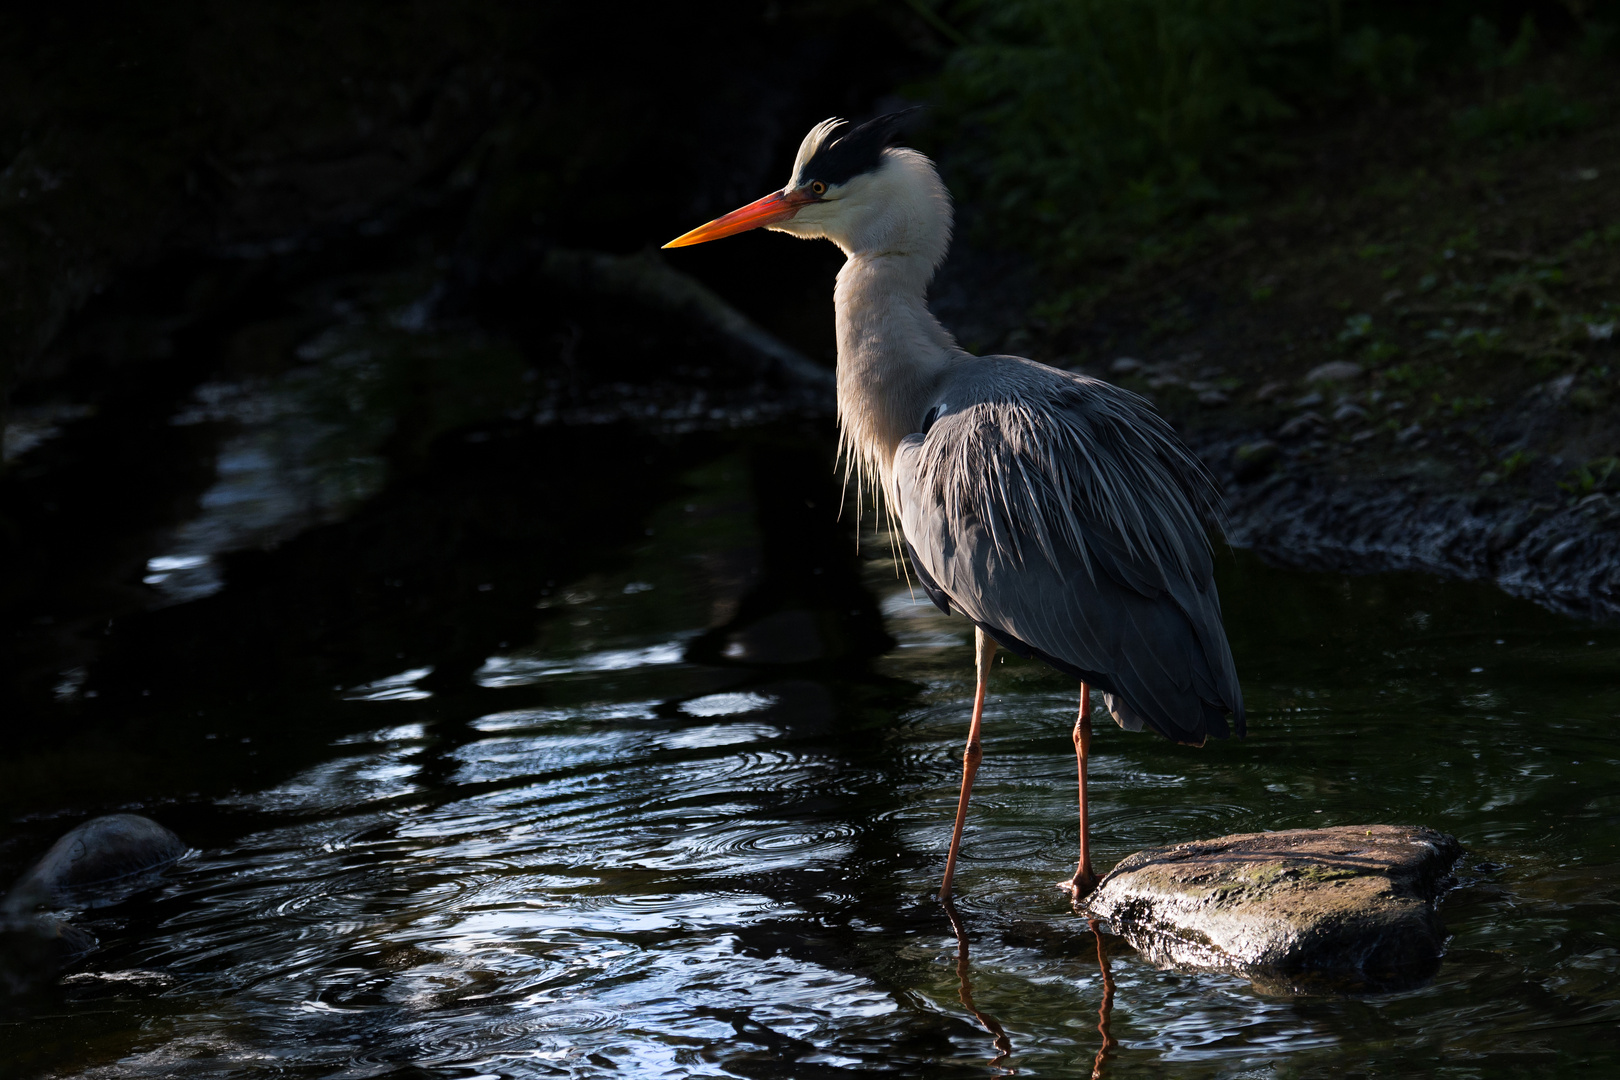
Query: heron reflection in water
[(1059, 513), (998, 1034)]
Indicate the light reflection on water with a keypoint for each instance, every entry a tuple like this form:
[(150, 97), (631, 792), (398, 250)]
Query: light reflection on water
[(626, 861)]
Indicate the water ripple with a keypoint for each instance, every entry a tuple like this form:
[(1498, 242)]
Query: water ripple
[(690, 872)]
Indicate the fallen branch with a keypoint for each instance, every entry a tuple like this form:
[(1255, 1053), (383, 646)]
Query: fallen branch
[(646, 279)]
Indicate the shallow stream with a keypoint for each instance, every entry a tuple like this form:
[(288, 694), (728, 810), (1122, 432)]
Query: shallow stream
[(575, 829)]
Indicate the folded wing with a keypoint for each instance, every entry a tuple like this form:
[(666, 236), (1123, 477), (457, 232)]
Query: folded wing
[(1065, 517)]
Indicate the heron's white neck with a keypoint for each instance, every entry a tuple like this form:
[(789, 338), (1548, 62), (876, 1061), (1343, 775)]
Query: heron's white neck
[(895, 226), (891, 354)]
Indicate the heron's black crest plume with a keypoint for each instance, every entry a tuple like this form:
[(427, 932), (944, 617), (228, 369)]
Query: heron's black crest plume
[(838, 151)]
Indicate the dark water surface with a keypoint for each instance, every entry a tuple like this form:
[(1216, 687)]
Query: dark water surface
[(580, 750)]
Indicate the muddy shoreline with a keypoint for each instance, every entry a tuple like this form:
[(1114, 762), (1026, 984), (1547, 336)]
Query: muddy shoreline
[(1566, 558), (1358, 508)]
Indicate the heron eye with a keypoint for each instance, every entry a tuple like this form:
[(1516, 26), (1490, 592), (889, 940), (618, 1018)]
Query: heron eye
[(817, 187)]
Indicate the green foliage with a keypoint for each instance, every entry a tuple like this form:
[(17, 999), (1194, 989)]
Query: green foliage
[(1598, 38), (1526, 288), (1599, 474), (1462, 406), (1585, 398), (1537, 111), (1414, 376), (1381, 350), (1534, 111), (1134, 109), (1482, 340), (1490, 55), (1356, 329), (1517, 462), (1465, 241), (1086, 128), (1386, 61)]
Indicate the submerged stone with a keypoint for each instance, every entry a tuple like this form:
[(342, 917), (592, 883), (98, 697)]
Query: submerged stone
[(97, 863), (100, 862), (1350, 908)]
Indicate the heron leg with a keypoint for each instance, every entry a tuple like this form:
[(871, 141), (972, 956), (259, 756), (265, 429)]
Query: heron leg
[(1085, 879), (984, 651)]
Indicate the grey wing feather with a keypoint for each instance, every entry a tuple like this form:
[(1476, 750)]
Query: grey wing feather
[(1064, 516)]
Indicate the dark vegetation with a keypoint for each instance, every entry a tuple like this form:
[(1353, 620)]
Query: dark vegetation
[(1205, 200), (346, 211), (216, 143), (1234, 195), (1269, 183), (1089, 130)]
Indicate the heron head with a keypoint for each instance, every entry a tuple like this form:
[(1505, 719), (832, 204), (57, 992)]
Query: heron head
[(851, 187)]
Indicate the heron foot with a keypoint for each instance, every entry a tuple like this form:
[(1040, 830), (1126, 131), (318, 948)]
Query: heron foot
[(1082, 885)]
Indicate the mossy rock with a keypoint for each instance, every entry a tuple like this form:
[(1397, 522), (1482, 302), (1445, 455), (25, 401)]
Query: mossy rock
[(1342, 909)]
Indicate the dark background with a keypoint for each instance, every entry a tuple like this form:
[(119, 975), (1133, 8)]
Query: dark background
[(196, 191), (315, 257)]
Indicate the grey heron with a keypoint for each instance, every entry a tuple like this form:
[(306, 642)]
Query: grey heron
[(1060, 513)]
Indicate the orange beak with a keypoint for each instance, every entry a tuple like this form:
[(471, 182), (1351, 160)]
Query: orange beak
[(777, 206)]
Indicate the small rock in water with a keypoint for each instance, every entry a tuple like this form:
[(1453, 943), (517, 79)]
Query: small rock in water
[(98, 863), (1347, 908), (1125, 365)]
